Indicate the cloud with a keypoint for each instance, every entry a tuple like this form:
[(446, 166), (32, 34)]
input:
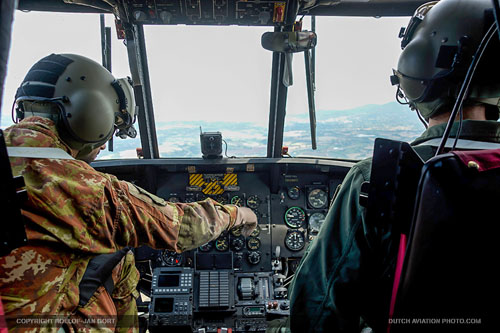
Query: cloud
[(131, 153), (169, 147), (295, 134)]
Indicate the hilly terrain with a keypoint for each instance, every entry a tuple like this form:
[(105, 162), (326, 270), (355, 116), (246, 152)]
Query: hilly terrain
[(343, 134)]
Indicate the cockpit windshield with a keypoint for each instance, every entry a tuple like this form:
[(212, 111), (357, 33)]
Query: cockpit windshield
[(355, 102), (38, 34), (218, 79)]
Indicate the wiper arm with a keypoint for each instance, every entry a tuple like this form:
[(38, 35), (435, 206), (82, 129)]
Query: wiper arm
[(308, 59)]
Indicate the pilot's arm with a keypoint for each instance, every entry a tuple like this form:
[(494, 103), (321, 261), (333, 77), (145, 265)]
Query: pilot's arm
[(141, 218), (339, 278)]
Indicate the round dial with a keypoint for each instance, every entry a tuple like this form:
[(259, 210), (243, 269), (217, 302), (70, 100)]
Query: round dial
[(253, 201), (295, 217), (255, 232), (254, 257), (294, 192), (238, 243), (189, 198), (221, 199), (315, 221), (317, 198), (237, 200), (253, 243), (222, 244), (206, 247), (171, 258), (295, 240), (236, 231)]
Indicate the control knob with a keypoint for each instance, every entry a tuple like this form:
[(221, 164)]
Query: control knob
[(254, 257)]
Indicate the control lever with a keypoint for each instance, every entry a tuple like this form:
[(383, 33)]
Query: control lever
[(278, 280), (276, 264)]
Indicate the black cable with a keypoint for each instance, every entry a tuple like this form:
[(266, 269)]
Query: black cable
[(400, 97), (464, 89), (403, 100), (496, 11), (461, 112), (225, 151), (424, 122), (14, 120)]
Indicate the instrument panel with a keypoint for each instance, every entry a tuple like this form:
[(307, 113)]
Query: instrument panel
[(206, 12), (233, 283)]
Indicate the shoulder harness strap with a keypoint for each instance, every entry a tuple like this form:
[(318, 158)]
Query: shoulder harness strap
[(98, 274)]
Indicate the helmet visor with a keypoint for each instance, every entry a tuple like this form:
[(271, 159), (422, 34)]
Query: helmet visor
[(414, 89)]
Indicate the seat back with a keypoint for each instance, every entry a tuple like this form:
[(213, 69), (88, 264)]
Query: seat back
[(12, 195), (449, 281)]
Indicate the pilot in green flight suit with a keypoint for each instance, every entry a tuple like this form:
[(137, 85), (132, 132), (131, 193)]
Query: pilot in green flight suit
[(345, 277)]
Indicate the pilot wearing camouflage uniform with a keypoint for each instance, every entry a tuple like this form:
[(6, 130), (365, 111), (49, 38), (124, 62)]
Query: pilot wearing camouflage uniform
[(347, 272), (80, 223)]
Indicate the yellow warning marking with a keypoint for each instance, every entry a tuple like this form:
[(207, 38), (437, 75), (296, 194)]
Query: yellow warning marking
[(231, 179), (214, 184), (196, 180)]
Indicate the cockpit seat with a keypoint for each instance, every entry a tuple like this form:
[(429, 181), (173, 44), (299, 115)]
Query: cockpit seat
[(449, 280), (12, 196)]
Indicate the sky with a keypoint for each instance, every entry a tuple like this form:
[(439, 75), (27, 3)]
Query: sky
[(221, 73)]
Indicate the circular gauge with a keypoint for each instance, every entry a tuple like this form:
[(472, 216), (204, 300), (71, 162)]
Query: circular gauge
[(238, 243), (189, 198), (295, 240), (317, 198), (253, 201), (222, 244), (200, 197), (171, 258), (254, 257), (294, 192), (253, 243), (206, 247), (315, 221), (237, 200), (255, 232), (236, 231), (174, 199), (295, 217), (221, 199)]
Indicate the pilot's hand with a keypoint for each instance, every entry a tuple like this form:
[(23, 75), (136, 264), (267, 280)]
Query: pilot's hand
[(246, 220)]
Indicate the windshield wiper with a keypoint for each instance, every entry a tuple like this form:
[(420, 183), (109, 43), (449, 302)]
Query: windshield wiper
[(310, 61)]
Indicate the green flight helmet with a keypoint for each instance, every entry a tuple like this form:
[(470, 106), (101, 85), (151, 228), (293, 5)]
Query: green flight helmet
[(438, 46), (81, 96)]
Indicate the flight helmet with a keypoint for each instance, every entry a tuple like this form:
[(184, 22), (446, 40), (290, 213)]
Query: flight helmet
[(82, 97), (438, 45)]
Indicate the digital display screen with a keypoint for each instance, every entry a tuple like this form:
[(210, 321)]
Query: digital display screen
[(164, 304), (168, 280)]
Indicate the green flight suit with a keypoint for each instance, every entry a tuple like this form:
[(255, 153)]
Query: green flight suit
[(347, 271)]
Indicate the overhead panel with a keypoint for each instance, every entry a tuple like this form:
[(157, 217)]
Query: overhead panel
[(206, 12)]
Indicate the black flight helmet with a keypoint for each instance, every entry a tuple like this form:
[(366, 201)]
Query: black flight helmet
[(81, 96), (438, 46)]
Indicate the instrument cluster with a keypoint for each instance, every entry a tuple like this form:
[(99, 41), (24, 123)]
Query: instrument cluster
[(233, 282)]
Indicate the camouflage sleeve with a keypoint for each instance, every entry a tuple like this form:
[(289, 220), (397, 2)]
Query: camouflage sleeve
[(150, 220)]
